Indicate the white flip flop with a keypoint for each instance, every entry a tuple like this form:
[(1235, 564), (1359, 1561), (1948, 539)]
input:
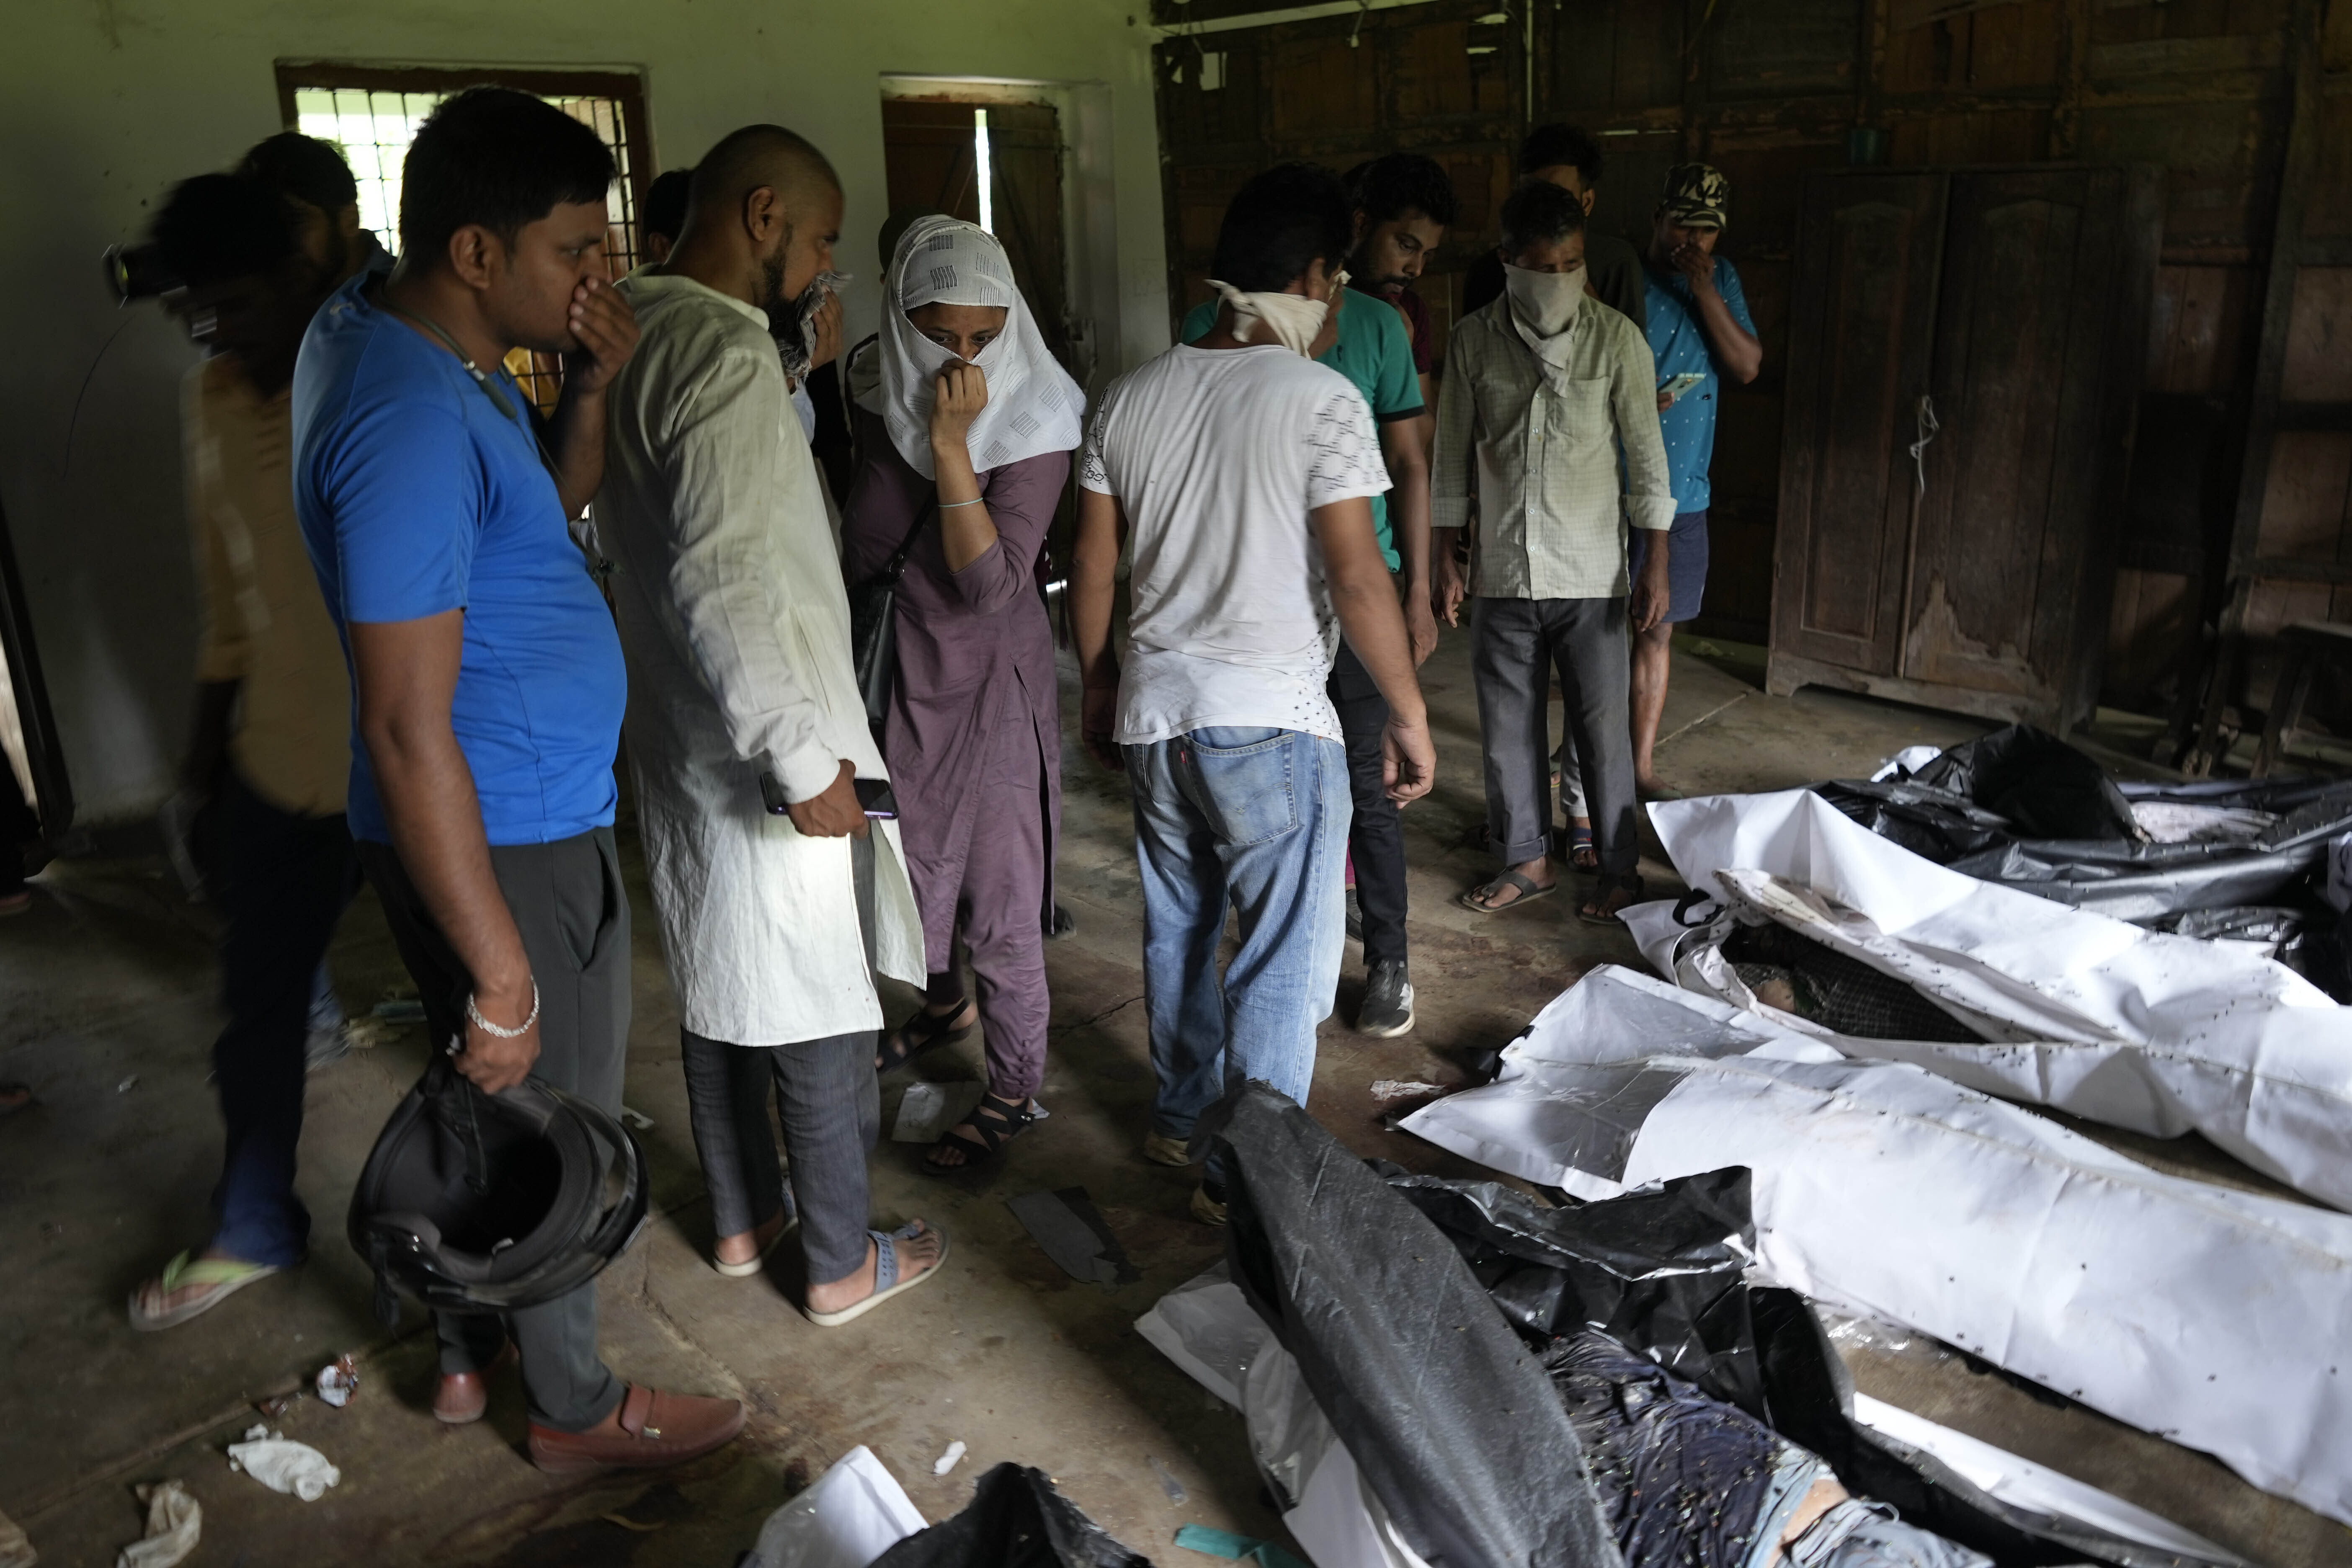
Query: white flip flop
[(886, 1282)]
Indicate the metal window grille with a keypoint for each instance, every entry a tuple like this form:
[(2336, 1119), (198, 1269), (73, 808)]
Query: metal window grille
[(373, 121)]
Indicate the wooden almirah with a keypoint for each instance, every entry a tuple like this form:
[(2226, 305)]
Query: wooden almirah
[(1964, 353)]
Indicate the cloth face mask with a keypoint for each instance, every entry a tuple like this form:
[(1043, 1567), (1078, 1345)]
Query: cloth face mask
[(1294, 319), (1546, 301)]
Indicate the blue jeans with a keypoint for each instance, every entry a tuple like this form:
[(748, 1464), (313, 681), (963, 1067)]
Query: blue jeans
[(1256, 818)]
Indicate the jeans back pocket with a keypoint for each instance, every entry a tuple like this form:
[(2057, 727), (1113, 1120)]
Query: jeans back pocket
[(1244, 781)]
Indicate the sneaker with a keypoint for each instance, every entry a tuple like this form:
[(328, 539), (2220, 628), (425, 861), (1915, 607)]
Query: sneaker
[(1355, 917), (1206, 1209), (1162, 1150), (1387, 1011)]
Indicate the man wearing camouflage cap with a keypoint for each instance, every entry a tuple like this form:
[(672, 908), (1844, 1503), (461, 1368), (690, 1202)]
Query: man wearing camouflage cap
[(1701, 334)]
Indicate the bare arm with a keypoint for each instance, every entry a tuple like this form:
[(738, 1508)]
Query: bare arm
[(1451, 461), (1736, 353), (1407, 466), (966, 531), (1365, 600), (407, 673), (1093, 586), (608, 333)]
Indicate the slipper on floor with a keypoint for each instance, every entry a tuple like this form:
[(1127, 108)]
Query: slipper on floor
[(1527, 890), (758, 1260), (1630, 882), (886, 1282), (225, 1275)]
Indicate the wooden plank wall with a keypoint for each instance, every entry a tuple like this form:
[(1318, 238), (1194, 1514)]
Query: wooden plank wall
[(1767, 90)]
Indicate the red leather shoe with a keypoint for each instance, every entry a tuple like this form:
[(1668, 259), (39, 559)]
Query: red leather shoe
[(463, 1395), (650, 1430)]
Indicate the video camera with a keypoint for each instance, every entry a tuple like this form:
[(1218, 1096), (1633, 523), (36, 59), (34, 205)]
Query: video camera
[(137, 272)]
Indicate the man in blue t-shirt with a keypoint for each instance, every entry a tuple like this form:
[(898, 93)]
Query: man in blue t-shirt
[(486, 676), (1366, 340), (1700, 333)]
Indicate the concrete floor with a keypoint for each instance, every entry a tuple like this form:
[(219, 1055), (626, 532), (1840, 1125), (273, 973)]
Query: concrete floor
[(106, 1009)]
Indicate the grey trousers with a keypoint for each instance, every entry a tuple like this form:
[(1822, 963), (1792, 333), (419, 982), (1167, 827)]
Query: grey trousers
[(573, 913), (831, 1106), (1513, 644)]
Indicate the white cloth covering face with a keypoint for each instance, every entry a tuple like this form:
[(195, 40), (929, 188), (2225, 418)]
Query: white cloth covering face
[(1034, 406), (1294, 319), (1544, 306), (728, 590)]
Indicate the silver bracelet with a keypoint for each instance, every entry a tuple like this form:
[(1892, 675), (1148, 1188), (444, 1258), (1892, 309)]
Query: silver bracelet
[(474, 1014), (952, 505)]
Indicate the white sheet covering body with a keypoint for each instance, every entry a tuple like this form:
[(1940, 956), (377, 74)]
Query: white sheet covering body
[(2139, 1030), (728, 595), (2220, 1320)]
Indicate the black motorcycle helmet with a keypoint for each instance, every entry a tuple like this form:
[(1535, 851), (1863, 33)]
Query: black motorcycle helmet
[(479, 1203)]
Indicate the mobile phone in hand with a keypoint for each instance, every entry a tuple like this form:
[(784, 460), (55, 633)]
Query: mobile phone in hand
[(874, 797)]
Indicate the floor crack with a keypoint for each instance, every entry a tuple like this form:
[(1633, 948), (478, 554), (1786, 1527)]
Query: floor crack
[(1096, 1018)]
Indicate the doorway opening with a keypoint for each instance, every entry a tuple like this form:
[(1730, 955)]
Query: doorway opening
[(995, 163)]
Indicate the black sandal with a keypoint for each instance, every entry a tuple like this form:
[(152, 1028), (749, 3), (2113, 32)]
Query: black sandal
[(993, 1122), (919, 1034), (1630, 882)]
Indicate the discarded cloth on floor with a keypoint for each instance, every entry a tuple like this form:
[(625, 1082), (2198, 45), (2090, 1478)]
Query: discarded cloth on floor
[(2210, 1317), (2022, 808), (2154, 1033)]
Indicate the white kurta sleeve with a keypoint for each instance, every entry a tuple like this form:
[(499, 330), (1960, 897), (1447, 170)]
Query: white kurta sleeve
[(724, 467)]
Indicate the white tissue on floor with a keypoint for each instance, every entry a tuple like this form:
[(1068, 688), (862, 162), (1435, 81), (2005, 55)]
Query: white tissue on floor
[(283, 1466)]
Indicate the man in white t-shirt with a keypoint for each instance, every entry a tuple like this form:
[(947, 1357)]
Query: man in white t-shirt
[(1245, 469)]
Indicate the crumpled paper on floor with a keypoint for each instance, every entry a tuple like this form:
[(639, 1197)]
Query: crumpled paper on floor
[(283, 1465), (854, 1512), (174, 1522)]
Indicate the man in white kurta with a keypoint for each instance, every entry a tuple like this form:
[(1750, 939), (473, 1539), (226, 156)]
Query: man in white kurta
[(736, 626)]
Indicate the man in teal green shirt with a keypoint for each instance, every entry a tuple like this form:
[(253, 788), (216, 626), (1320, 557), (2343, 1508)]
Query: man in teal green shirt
[(1372, 348)]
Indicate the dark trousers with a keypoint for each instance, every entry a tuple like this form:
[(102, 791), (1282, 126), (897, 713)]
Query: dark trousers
[(18, 828), (570, 906), (1375, 836), (831, 1106), (1514, 645), (287, 880)]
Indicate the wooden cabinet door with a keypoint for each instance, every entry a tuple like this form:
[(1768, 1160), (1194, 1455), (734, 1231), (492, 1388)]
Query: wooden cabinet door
[(1860, 329), (2035, 273)]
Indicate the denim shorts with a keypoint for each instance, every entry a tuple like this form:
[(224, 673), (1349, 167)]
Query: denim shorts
[(1686, 562)]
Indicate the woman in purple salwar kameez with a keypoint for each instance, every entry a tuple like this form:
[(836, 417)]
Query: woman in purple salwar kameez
[(969, 409)]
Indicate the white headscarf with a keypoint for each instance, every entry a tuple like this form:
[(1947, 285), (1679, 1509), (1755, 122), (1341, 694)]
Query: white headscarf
[(1034, 406)]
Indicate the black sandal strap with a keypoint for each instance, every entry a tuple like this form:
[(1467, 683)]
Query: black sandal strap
[(919, 1034), (995, 1123)]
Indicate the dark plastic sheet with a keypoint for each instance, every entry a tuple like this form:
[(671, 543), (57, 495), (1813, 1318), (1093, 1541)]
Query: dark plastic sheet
[(1016, 1520), (1654, 1269), (1445, 1413), (2022, 808)]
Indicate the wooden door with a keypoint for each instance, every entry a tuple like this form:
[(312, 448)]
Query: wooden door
[(2039, 283), (1861, 320), (929, 162)]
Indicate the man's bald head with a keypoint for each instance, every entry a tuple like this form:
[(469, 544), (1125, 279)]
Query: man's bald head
[(757, 157), (760, 218)]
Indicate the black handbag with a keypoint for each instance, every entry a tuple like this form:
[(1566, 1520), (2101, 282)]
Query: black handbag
[(874, 622)]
